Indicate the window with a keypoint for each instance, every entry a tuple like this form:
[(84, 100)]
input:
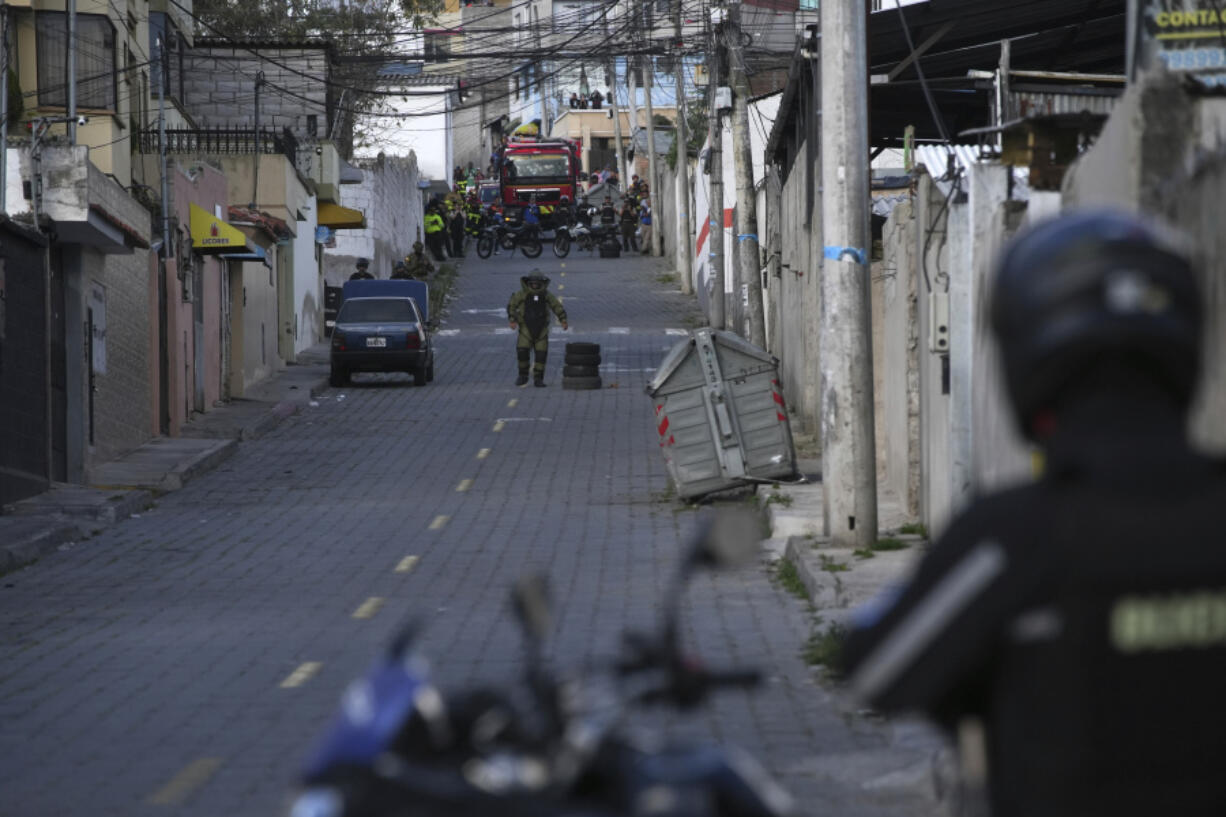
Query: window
[(96, 75)]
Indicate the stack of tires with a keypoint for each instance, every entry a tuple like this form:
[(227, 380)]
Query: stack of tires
[(582, 366)]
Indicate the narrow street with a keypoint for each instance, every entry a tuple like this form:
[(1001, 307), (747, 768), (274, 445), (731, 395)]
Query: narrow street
[(184, 661)]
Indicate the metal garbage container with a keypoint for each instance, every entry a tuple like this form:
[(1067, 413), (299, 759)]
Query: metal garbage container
[(720, 414)]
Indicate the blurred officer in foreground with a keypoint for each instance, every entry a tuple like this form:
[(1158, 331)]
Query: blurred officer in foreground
[(1080, 620)]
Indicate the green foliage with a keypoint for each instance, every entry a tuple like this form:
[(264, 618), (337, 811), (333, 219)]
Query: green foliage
[(824, 646), (787, 577), (914, 529), (782, 500), (864, 553), (356, 28), (890, 543), (695, 127), (831, 566), (17, 101)]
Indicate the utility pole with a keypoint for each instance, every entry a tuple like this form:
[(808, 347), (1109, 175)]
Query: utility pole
[(255, 184), (651, 147), (746, 197), (715, 215), (163, 294), (617, 122), (685, 225), (4, 108), (849, 467), (70, 68)]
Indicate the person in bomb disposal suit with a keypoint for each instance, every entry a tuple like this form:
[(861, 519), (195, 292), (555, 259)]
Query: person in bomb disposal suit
[(528, 311), (1077, 625)]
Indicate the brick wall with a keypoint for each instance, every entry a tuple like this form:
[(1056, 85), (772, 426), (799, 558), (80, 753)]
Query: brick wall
[(392, 203), (219, 86), (121, 398)]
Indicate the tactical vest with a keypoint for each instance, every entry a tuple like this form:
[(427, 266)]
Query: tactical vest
[(536, 312)]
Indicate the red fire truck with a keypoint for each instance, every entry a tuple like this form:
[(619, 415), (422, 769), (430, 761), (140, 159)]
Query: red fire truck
[(548, 168)]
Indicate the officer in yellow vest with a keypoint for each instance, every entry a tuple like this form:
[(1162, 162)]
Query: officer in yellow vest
[(434, 233)]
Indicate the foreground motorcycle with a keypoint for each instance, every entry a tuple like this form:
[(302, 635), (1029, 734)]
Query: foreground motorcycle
[(400, 746)]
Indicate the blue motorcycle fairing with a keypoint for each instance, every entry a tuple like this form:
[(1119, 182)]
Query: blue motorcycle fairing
[(373, 711)]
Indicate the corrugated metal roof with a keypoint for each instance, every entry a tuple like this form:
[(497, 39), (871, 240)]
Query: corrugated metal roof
[(1030, 103), (936, 160)]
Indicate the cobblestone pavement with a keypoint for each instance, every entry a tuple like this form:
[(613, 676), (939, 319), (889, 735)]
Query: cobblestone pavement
[(184, 660)]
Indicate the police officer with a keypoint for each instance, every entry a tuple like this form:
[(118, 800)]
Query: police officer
[(528, 311), (416, 264), (362, 270), (628, 218), (1081, 620), (434, 232), (401, 272)]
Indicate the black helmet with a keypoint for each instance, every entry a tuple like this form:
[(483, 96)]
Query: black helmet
[(1088, 287), (363, 262)]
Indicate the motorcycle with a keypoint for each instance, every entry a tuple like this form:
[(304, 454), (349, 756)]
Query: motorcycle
[(576, 235), (400, 747), (527, 237)]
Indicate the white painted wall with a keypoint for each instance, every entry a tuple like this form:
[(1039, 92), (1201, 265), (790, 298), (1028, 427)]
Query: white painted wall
[(424, 129), (308, 281)]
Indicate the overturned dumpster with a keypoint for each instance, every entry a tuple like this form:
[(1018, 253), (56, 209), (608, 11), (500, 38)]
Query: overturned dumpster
[(720, 415)]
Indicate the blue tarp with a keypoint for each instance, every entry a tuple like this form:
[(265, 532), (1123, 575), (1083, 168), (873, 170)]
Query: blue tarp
[(389, 287)]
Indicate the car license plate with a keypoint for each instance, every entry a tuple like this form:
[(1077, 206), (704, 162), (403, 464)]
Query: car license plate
[(380, 342)]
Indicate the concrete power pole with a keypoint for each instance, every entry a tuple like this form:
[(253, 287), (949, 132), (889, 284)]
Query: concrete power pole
[(651, 148), (685, 224), (746, 196), (849, 468), (70, 56), (617, 121), (715, 216)]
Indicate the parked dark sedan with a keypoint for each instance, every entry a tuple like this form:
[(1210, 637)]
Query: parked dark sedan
[(381, 334)]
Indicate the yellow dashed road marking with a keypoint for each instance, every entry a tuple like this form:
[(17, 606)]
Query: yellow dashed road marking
[(438, 522), (500, 425), (561, 287), (406, 564), (183, 784), (368, 608), (483, 453), (464, 485), (301, 675), (513, 402)]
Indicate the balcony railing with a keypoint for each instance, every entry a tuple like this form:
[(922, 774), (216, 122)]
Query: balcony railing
[(223, 141)]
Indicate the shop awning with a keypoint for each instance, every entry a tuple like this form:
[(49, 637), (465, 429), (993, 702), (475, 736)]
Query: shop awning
[(340, 218), (254, 252), (211, 235)]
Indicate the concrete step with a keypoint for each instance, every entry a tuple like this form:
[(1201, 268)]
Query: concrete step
[(163, 464)]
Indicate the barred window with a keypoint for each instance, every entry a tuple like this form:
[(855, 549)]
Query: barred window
[(96, 75)]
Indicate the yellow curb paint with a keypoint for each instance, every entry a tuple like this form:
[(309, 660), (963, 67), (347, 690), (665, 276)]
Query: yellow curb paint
[(301, 675), (513, 402), (483, 453), (182, 785), (406, 564), (368, 608), (500, 425), (438, 522), (464, 485)]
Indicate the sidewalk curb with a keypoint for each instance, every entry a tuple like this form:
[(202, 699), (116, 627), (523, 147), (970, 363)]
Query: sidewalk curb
[(15, 555), (204, 462)]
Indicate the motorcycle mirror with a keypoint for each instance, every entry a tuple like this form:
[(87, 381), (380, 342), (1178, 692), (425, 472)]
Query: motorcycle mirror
[(530, 599), (729, 540)]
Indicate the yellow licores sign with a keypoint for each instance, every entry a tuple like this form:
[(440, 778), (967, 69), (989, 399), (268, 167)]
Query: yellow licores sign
[(211, 234)]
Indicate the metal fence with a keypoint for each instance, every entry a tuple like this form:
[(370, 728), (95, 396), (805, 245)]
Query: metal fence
[(223, 141)]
